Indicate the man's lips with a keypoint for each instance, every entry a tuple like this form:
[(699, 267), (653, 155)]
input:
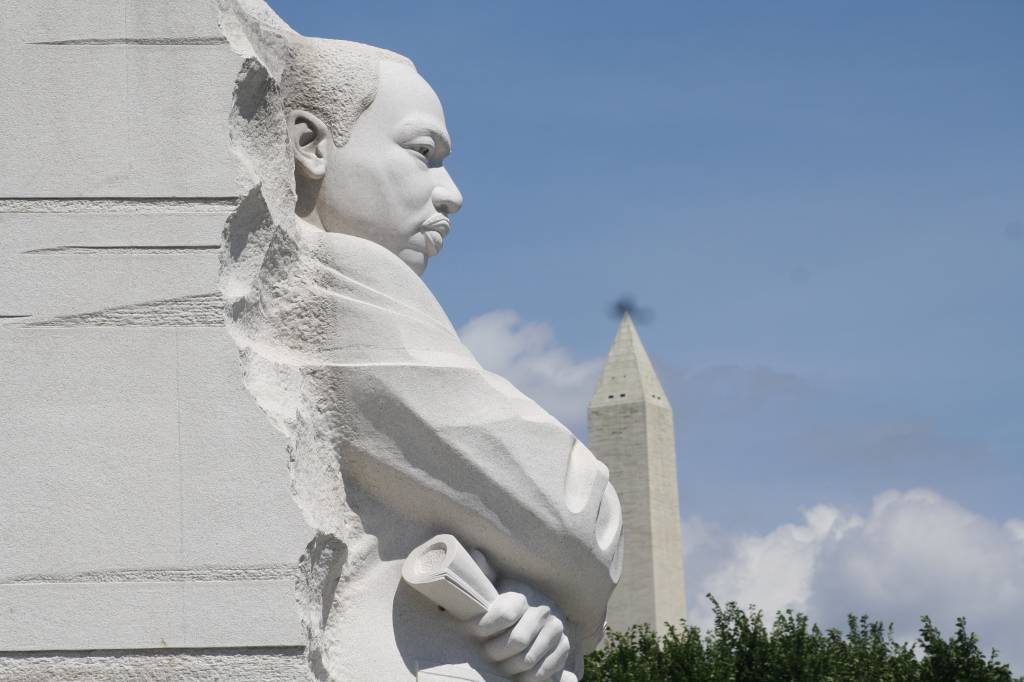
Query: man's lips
[(435, 229), (438, 223)]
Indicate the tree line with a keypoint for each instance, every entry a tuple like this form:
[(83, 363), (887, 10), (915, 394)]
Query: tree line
[(740, 647)]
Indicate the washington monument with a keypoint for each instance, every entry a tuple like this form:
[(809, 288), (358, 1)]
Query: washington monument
[(630, 429)]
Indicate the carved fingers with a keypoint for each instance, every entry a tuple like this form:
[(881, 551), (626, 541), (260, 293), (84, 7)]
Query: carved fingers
[(516, 640), (543, 649), (550, 666), (503, 613), (527, 642)]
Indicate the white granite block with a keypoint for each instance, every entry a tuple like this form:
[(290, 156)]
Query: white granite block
[(146, 615)]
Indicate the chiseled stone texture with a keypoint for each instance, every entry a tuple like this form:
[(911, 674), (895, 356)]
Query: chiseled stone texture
[(144, 499), (226, 665), (630, 429)]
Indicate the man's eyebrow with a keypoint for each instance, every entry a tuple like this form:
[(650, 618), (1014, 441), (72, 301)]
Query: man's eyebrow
[(420, 127)]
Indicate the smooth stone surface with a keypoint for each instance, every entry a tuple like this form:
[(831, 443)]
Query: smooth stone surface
[(148, 614), (276, 664), (131, 107), (144, 498)]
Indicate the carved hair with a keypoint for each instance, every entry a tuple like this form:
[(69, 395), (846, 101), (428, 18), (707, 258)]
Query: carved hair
[(334, 79)]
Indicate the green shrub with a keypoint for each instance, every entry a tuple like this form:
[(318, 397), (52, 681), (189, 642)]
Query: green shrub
[(739, 647)]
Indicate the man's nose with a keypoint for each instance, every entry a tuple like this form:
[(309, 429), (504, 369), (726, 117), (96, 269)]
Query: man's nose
[(446, 197)]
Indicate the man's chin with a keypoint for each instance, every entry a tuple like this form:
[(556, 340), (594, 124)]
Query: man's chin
[(417, 260)]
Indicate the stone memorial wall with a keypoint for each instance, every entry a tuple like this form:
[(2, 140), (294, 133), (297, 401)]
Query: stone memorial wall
[(145, 514)]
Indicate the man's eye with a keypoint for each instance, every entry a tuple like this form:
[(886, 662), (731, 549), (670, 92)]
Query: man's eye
[(424, 150)]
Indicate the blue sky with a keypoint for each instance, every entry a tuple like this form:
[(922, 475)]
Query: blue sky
[(822, 204)]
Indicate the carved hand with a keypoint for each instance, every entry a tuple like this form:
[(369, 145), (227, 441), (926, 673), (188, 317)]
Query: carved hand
[(528, 642)]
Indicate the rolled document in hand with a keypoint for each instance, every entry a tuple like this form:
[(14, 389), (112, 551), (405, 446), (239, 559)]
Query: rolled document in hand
[(444, 572)]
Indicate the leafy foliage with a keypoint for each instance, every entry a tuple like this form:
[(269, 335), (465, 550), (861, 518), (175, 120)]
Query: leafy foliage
[(741, 648)]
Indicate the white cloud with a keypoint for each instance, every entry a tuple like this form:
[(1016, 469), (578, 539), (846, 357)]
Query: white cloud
[(527, 354), (774, 571), (1016, 529), (915, 553)]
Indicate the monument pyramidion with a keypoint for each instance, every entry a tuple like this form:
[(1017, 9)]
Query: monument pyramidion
[(630, 429)]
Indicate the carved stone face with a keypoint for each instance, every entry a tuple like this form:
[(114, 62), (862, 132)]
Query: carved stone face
[(386, 183)]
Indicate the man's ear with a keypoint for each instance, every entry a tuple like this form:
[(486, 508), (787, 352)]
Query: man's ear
[(308, 138)]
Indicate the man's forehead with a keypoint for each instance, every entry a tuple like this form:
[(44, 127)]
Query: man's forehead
[(400, 86), (404, 97)]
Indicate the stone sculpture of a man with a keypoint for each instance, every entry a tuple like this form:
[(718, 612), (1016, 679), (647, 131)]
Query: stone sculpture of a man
[(396, 433)]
